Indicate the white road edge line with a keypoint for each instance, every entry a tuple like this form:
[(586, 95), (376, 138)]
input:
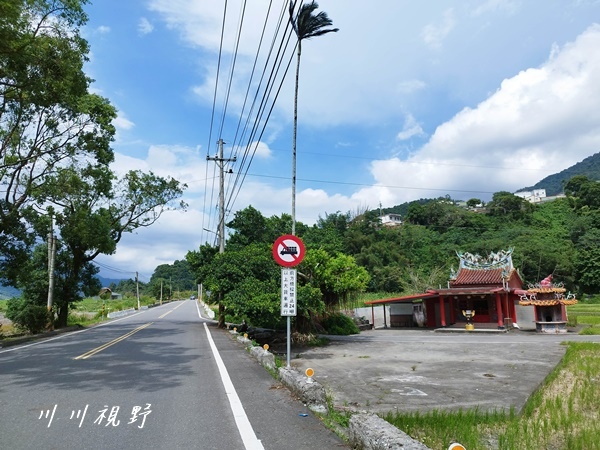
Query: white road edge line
[(251, 442)]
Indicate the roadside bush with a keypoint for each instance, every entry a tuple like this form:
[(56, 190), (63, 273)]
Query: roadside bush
[(27, 315), (339, 324)]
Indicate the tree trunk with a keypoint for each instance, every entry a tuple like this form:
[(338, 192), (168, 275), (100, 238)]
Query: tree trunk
[(221, 322)]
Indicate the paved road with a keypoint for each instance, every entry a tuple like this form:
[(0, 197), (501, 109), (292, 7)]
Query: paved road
[(417, 370), (150, 380)]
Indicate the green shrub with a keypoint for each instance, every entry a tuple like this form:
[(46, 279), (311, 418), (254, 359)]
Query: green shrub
[(339, 324), (27, 315)]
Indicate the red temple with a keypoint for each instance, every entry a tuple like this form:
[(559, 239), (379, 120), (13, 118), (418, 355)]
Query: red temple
[(484, 290)]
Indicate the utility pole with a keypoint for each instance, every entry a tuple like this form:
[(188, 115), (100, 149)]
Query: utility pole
[(221, 163), (51, 259), (137, 290)]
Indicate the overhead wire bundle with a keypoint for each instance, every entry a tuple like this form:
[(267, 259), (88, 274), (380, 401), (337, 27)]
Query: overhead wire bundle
[(264, 82)]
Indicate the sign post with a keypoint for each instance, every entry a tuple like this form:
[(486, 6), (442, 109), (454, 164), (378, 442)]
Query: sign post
[(288, 251)]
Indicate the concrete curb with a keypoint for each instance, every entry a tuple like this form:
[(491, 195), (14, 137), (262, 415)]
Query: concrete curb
[(311, 392), (368, 431)]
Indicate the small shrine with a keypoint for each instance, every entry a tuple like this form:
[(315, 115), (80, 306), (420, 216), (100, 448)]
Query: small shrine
[(549, 302)]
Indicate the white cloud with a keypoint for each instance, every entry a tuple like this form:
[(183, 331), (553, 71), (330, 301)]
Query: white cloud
[(261, 150), (537, 123), (411, 86), (434, 35), (123, 123), (493, 6), (411, 128), (103, 29), (145, 27)]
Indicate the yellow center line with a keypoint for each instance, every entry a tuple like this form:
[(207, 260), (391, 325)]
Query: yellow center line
[(113, 342), (170, 311)]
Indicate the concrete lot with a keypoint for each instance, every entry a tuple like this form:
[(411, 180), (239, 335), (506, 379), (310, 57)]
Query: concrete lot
[(419, 370)]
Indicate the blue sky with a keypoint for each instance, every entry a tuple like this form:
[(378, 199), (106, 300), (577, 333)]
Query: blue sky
[(408, 100)]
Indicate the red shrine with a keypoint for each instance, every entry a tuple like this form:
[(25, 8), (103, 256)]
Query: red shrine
[(484, 290)]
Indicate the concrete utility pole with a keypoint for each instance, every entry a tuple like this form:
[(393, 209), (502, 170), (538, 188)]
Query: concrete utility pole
[(51, 259), (137, 290), (221, 163)]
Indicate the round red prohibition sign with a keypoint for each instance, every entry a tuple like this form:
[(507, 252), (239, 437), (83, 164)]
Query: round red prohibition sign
[(288, 250)]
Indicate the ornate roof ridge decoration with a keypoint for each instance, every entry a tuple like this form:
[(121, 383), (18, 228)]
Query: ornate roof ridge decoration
[(495, 260)]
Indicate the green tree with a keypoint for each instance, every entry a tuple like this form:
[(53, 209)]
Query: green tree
[(179, 275), (583, 192), (48, 121), (507, 205), (92, 210), (473, 202), (337, 276), (306, 24), (30, 311), (48, 118)]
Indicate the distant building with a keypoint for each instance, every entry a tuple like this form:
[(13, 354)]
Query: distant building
[(391, 220), (537, 196), (113, 295)]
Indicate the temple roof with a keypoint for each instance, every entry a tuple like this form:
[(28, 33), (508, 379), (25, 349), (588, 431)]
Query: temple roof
[(477, 277)]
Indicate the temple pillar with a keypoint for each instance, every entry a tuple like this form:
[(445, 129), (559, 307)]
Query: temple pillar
[(442, 311), (499, 311)]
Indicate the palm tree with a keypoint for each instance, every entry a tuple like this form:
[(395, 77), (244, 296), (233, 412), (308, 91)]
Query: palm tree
[(306, 24)]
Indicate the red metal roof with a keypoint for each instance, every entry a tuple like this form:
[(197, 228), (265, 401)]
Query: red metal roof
[(480, 277), (400, 299)]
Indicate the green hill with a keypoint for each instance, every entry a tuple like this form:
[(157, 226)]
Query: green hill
[(590, 167)]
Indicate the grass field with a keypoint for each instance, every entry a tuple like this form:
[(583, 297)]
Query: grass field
[(586, 315)]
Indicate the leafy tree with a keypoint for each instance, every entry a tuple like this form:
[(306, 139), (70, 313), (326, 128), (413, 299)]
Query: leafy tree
[(48, 119), (128, 287), (583, 193), (306, 24), (473, 202), (337, 276), (93, 209), (178, 274), (507, 205), (30, 312)]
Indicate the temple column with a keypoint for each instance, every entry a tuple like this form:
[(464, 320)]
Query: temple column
[(442, 311), (499, 311)]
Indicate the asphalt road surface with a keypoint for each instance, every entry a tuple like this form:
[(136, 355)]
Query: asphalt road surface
[(163, 378)]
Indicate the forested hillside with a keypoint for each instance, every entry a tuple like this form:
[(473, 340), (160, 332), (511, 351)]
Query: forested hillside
[(348, 254), (554, 184)]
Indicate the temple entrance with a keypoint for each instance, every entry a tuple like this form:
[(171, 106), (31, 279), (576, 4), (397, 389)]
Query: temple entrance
[(481, 306)]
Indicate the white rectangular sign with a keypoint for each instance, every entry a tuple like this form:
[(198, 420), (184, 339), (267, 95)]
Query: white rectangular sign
[(288, 292)]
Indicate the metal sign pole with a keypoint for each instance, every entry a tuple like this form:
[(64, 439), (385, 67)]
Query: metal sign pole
[(289, 341)]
